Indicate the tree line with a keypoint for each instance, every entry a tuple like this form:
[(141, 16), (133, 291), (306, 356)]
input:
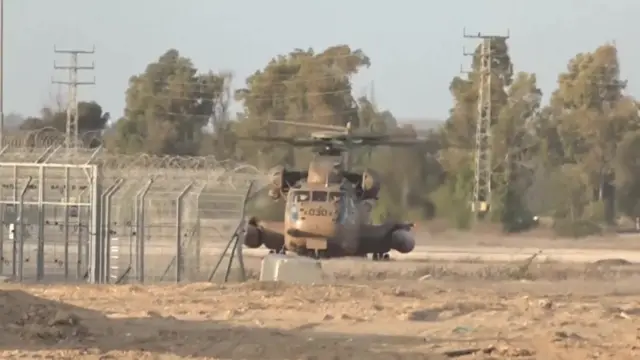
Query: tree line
[(571, 161)]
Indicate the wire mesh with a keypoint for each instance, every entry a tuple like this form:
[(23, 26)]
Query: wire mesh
[(163, 218)]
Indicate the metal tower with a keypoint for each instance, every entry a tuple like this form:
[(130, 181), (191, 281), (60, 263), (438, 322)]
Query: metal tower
[(481, 200), (71, 135)]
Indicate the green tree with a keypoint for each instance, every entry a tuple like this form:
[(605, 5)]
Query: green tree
[(302, 86), (458, 133), (627, 170), (514, 139), (167, 107), (91, 122), (591, 115)]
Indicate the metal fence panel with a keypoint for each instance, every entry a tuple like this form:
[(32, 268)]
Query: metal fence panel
[(46, 220), (87, 215)]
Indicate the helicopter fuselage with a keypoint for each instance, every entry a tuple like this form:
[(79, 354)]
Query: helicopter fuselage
[(328, 207), (321, 219)]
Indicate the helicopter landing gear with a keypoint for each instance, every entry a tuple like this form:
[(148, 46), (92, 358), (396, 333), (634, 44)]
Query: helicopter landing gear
[(380, 257), (318, 254), (282, 251)]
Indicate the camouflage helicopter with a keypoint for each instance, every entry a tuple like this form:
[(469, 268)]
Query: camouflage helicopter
[(328, 206)]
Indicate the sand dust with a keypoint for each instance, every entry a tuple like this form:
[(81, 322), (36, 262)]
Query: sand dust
[(434, 311)]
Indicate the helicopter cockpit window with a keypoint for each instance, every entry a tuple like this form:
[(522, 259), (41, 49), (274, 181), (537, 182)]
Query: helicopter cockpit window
[(335, 196), (301, 196), (320, 196)]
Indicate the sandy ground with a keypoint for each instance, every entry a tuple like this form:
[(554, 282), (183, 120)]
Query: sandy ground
[(539, 239), (394, 310)]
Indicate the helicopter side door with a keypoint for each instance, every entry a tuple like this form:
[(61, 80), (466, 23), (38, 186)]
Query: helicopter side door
[(347, 221)]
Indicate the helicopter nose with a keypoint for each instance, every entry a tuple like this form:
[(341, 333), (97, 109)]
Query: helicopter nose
[(323, 228)]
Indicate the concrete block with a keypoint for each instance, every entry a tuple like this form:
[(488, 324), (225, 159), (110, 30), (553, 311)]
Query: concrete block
[(291, 269)]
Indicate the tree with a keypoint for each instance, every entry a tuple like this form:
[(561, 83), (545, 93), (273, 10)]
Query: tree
[(591, 115), (459, 130), (168, 106), (627, 170), (513, 141), (567, 160), (91, 122), (302, 86)]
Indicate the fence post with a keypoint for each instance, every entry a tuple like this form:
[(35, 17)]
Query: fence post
[(95, 232), (20, 230), (106, 226), (140, 229), (16, 199), (179, 252), (243, 230), (65, 229), (41, 215)]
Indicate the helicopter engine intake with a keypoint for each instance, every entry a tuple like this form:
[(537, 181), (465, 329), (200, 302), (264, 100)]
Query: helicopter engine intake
[(370, 184), (276, 175), (367, 183), (281, 179)]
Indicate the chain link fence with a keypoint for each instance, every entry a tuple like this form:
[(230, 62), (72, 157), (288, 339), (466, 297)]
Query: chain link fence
[(88, 215)]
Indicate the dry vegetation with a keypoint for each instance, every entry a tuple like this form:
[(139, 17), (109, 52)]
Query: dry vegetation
[(471, 310)]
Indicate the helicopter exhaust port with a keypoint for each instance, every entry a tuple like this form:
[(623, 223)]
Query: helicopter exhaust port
[(402, 241)]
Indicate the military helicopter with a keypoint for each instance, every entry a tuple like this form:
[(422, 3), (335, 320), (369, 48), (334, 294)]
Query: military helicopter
[(328, 206)]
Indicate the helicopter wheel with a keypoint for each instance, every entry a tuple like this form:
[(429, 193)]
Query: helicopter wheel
[(380, 257), (318, 254)]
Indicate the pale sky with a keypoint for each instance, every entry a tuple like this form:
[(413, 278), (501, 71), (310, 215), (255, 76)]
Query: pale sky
[(415, 46)]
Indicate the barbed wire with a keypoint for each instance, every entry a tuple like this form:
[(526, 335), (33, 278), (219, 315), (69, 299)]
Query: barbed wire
[(45, 137), (48, 145)]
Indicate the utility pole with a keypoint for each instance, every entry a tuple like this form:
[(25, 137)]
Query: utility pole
[(481, 200), (2, 73), (71, 134)]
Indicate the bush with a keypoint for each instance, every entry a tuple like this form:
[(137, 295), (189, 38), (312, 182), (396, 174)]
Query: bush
[(514, 215), (576, 228)]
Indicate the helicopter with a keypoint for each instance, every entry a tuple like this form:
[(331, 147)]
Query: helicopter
[(328, 206)]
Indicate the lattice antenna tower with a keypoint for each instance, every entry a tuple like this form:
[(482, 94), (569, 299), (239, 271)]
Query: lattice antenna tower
[(481, 198), (73, 82), (372, 95)]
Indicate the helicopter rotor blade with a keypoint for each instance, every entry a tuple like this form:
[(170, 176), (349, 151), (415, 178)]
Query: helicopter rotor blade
[(393, 143), (281, 139), (339, 140), (311, 125)]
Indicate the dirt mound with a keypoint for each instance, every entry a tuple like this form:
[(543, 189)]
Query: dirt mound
[(30, 318)]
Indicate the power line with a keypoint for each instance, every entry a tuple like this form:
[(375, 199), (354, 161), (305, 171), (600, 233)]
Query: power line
[(300, 118), (1, 73), (71, 139), (481, 200), (272, 79), (247, 96)]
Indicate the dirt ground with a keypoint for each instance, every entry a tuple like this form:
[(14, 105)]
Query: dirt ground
[(539, 240), (472, 310)]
